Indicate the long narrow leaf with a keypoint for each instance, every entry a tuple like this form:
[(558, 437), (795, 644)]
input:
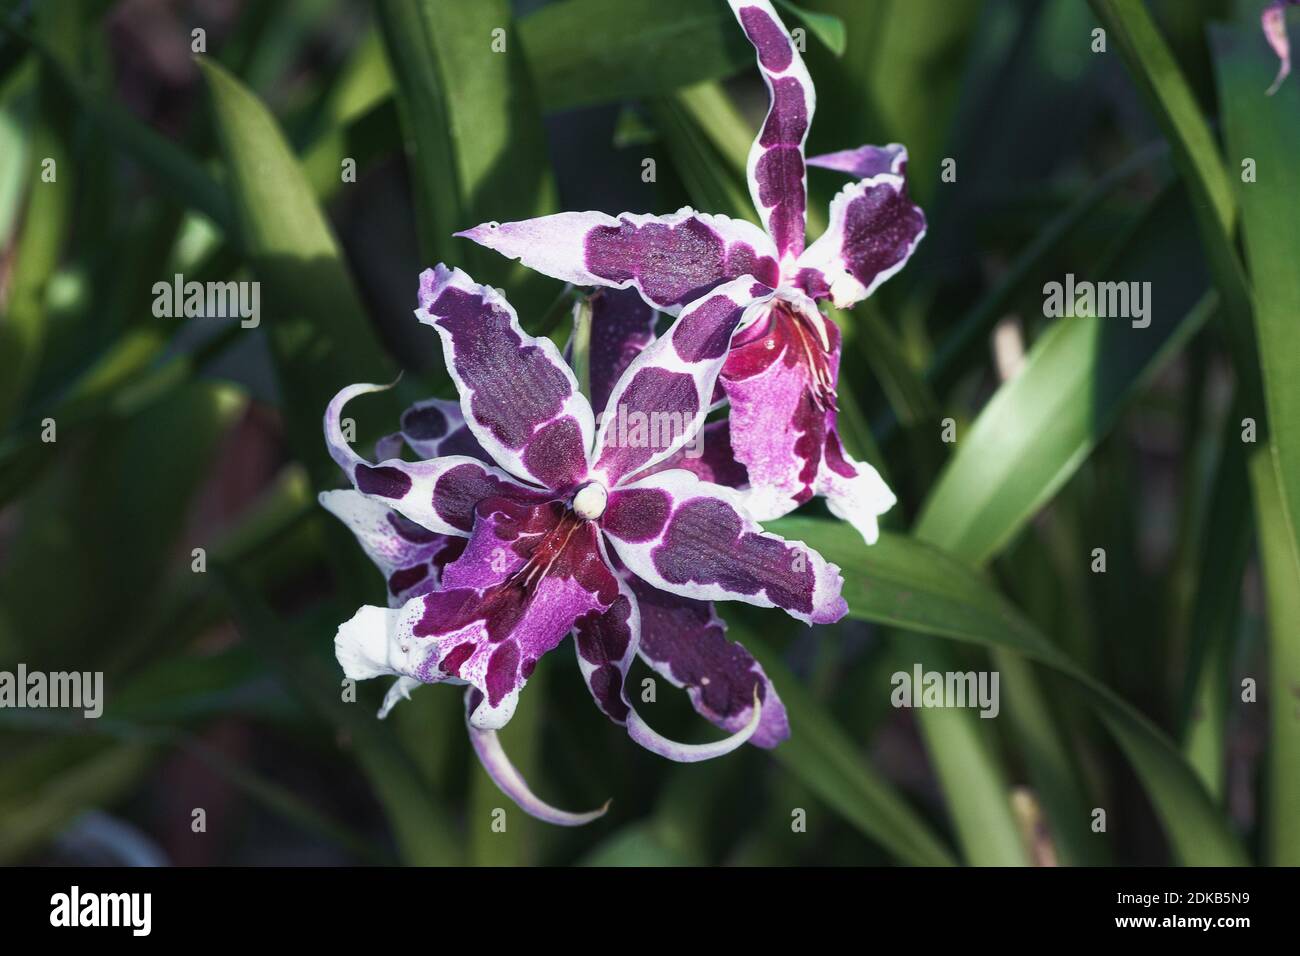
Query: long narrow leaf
[(908, 584), (1265, 131)]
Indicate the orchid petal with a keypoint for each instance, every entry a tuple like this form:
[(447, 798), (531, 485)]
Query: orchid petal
[(439, 495), (669, 260), (606, 643), (517, 394), (854, 491), (487, 746), (783, 422), (778, 181), (696, 540), (656, 743), (874, 229), (410, 557), (1273, 20), (708, 457), (660, 401), (865, 161), (780, 382), (622, 324), (527, 574), (686, 642), (432, 429)]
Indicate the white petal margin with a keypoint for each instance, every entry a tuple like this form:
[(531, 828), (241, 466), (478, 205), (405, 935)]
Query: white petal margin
[(682, 486), (556, 245), (487, 746), (432, 284), (860, 500), (656, 743), (662, 353), (827, 254), (418, 501)]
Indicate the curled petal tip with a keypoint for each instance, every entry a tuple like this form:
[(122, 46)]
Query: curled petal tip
[(487, 746), (641, 732), (480, 232), (401, 690)]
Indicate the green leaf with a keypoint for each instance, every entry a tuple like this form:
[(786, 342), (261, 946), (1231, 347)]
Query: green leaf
[(174, 169), (592, 51), (822, 755), (1208, 688), (15, 112), (637, 844), (710, 181), (1042, 424), (50, 184), (474, 134), (824, 26), (1265, 131), (1034, 433), (1199, 162), (320, 338), (906, 583), (1281, 790), (963, 749)]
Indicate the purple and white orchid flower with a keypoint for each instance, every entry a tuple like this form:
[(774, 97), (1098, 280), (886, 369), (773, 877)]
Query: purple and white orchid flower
[(531, 521), (1273, 19), (781, 375)]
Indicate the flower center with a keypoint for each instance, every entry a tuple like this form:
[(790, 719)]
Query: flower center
[(589, 503)]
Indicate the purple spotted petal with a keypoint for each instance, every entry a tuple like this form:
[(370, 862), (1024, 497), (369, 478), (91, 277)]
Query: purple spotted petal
[(865, 161), (660, 401), (709, 457), (777, 178), (487, 746), (874, 229), (606, 642), (411, 558), (439, 494), (622, 324), (518, 396), (781, 384), (687, 643), (529, 571), (432, 429), (670, 260), (696, 540), (1273, 20)]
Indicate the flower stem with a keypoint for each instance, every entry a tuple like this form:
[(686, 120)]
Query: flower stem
[(581, 344)]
